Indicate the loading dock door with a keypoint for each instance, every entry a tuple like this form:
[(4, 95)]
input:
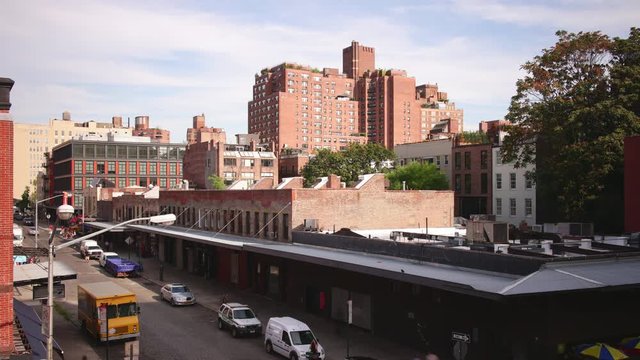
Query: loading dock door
[(360, 309)]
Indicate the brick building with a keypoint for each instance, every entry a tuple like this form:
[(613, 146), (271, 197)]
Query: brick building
[(6, 220), (471, 176), (273, 214), (117, 161), (631, 190), (291, 163), (156, 134), (303, 108), (232, 162), (200, 133)]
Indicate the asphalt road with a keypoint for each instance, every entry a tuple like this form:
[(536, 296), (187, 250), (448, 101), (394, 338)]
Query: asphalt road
[(167, 332)]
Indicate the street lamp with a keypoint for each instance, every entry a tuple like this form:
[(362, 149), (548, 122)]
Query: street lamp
[(65, 212), (38, 202)]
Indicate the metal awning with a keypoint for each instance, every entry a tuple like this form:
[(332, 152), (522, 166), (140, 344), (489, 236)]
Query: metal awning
[(104, 225), (38, 273), (28, 328)]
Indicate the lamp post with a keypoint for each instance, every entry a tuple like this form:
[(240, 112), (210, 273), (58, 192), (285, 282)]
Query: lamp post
[(43, 200), (65, 212)]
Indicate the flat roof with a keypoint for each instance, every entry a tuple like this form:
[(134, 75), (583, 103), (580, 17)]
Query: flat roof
[(550, 277), (106, 289), (38, 273)]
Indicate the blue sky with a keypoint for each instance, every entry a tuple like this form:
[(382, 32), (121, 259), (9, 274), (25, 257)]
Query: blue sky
[(172, 60)]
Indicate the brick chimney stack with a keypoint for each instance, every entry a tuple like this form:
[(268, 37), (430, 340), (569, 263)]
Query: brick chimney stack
[(6, 220)]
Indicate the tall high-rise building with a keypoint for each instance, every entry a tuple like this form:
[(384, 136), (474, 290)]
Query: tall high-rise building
[(303, 108), (357, 60)]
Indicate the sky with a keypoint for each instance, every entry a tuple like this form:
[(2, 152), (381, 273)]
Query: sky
[(172, 60)]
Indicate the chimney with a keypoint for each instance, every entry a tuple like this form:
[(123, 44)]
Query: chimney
[(334, 182)]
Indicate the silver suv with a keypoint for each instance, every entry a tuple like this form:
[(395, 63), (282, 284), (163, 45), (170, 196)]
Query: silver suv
[(239, 318)]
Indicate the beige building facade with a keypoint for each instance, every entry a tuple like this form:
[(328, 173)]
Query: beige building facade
[(32, 141)]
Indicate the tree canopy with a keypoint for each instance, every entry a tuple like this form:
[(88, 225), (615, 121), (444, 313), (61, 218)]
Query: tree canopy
[(25, 201), (355, 160), (570, 115), (417, 177), (216, 182)]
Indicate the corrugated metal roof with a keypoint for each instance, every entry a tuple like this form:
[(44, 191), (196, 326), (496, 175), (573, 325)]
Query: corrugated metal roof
[(552, 277)]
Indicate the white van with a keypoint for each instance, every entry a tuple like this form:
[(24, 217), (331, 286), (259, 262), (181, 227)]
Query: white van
[(290, 338), (90, 248), (18, 236)]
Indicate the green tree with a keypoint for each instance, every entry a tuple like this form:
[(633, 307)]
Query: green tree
[(475, 137), (216, 182), (354, 161), (569, 116), (25, 201), (417, 177)]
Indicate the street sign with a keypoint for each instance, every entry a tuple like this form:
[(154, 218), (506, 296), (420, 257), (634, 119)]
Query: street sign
[(128, 240), (457, 336)]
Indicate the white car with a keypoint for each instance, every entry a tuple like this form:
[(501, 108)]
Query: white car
[(105, 256), (177, 294), (32, 230)]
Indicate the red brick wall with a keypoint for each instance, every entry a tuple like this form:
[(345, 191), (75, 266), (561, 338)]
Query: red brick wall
[(6, 234)]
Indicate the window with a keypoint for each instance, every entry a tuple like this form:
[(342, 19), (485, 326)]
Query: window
[(528, 182), (512, 207), (266, 163), (163, 183), (528, 207), (77, 183), (122, 167), (111, 167), (172, 169), (163, 169), (498, 206), (484, 156), (512, 180), (446, 159), (100, 167), (484, 183), (458, 183), (89, 167), (143, 167), (467, 183), (229, 162), (132, 182), (498, 181), (467, 160), (77, 166), (132, 168), (247, 162), (153, 168), (247, 175), (122, 182), (458, 160)]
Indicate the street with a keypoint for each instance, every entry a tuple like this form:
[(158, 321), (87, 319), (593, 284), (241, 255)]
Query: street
[(188, 332)]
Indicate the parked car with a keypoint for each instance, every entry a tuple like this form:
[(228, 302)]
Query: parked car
[(239, 318), (18, 216), (28, 221), (32, 230), (177, 294), (105, 256)]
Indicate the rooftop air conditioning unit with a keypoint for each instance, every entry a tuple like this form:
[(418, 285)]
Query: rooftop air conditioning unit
[(310, 224)]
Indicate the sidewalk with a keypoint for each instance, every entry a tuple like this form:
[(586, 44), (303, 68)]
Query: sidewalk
[(332, 334)]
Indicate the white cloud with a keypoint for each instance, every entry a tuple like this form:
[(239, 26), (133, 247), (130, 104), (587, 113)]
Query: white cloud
[(608, 16), (103, 58)]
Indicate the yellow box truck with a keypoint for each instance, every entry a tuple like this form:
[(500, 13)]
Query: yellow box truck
[(107, 305)]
